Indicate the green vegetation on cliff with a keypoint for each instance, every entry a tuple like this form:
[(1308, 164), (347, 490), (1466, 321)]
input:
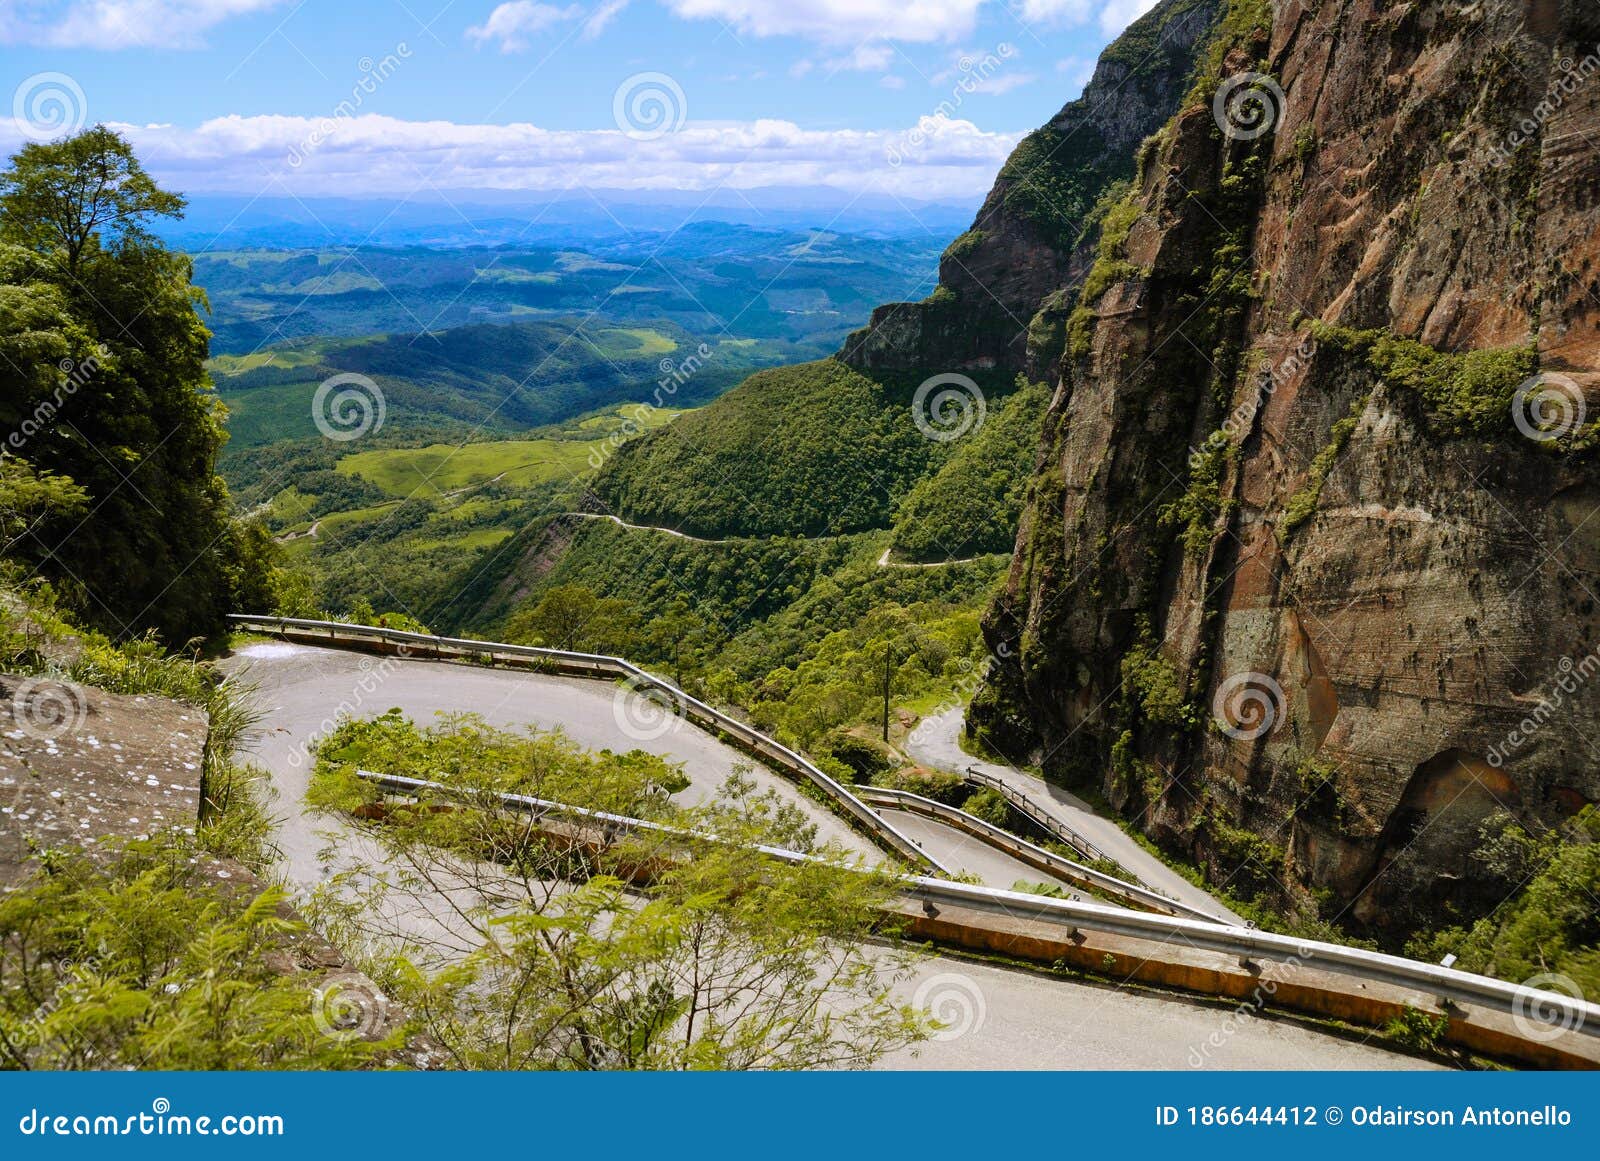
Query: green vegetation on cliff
[(1549, 931), (1468, 393), (812, 450), (106, 356), (972, 503)]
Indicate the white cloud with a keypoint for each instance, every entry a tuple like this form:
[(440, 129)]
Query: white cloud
[(514, 26), (601, 17), (376, 156), (1058, 11), (1111, 15), (1004, 83), (840, 21), (864, 58), (1118, 14), (114, 24)]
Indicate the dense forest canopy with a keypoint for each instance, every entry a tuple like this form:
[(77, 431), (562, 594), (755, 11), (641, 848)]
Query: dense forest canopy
[(103, 353)]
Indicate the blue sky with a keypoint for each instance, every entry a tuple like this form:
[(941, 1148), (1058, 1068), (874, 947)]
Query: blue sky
[(380, 97)]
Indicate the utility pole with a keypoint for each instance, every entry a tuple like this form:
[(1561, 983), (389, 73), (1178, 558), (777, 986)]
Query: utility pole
[(888, 672)]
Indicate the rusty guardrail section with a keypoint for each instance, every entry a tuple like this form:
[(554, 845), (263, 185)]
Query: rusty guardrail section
[(986, 918), (597, 665), (1133, 894)]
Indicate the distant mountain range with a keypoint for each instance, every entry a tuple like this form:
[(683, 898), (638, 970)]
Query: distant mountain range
[(809, 287), (526, 218)]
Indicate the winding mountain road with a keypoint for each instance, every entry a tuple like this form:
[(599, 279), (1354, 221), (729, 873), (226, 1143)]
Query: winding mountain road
[(883, 561), (936, 742), (998, 1017)]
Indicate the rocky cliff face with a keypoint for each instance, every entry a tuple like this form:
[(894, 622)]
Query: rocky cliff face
[(1034, 238), (1307, 579)]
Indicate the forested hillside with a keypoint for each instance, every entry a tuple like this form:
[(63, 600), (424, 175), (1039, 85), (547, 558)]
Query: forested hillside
[(831, 508), (109, 485)]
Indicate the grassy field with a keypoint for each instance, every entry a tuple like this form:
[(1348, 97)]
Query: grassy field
[(440, 468), (620, 342), (266, 414)]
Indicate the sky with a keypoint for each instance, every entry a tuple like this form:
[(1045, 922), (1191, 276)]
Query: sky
[(405, 98)]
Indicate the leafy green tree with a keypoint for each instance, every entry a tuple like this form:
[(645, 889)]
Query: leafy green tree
[(28, 496), (67, 198), (572, 617), (100, 321), (555, 945), (147, 964), (1549, 926)]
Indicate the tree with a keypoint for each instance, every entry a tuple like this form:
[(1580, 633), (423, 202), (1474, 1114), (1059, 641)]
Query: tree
[(572, 617), (67, 197), (107, 384), (529, 944), (28, 496)]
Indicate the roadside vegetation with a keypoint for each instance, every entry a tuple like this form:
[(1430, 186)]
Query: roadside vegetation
[(521, 942)]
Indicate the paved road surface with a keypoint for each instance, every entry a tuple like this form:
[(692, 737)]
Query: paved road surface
[(962, 852), (1019, 1019), (302, 687), (934, 743)]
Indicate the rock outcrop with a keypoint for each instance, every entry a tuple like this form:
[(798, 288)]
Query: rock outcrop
[(1034, 238), (1306, 582)]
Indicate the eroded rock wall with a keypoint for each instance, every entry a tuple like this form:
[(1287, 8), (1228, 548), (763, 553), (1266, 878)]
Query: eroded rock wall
[(1034, 238), (1304, 559)]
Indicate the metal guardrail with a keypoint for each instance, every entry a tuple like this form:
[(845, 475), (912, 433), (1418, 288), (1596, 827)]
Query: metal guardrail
[(1245, 944), (600, 665), (1035, 814), (1249, 944), (1131, 893)]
